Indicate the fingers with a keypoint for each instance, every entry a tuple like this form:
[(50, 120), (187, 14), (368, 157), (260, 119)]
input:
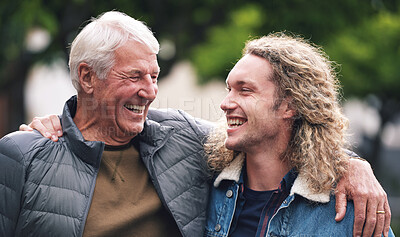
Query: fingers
[(341, 204), (48, 126), (38, 125), (382, 225), (360, 207), (369, 197), (388, 216), (376, 223), (25, 127), (380, 220), (55, 121)]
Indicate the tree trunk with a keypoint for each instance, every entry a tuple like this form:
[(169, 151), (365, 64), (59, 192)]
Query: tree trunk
[(12, 95)]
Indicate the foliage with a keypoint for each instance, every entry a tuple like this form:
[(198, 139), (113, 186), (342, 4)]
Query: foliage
[(211, 32), (370, 56), (317, 20), (226, 42)]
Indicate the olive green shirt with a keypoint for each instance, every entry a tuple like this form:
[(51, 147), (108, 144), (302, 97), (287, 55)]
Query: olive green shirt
[(125, 202)]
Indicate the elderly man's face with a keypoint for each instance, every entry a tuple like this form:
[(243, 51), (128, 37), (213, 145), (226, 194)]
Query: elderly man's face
[(125, 95)]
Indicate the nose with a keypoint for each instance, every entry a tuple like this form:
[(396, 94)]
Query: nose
[(148, 89), (228, 103)]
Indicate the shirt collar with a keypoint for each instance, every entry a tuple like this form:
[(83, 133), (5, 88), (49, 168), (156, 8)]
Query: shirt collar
[(288, 180)]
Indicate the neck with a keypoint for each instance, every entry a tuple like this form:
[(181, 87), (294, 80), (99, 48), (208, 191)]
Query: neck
[(265, 167), (89, 125), (265, 173)]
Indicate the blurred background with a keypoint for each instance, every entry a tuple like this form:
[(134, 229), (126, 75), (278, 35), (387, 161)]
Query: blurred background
[(200, 42)]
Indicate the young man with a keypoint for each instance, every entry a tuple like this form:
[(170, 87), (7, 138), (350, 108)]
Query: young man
[(283, 151)]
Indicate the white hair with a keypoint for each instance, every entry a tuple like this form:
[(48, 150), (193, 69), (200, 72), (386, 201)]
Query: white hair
[(97, 42)]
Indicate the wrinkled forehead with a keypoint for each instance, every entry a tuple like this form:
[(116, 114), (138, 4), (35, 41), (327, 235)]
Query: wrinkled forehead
[(135, 54)]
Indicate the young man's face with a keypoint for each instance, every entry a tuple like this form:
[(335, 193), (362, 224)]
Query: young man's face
[(125, 95), (252, 120)]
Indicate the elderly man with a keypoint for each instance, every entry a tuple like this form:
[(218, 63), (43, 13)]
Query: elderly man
[(102, 178), (286, 127), (114, 171)]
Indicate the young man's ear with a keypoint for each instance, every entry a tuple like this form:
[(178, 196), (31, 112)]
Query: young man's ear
[(86, 77), (289, 111)]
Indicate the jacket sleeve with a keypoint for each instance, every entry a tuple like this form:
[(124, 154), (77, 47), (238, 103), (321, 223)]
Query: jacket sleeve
[(200, 126), (12, 178)]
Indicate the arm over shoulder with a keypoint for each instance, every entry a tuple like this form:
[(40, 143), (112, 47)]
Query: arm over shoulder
[(200, 126), (180, 119)]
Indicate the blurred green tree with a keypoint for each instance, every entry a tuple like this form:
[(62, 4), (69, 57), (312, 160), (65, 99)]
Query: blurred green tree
[(17, 18), (316, 20), (225, 42), (369, 55)]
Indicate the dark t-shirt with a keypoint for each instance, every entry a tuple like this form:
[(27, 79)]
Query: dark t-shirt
[(249, 217), (254, 209)]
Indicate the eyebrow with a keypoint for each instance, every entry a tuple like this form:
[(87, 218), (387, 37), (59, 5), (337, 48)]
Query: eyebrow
[(134, 71), (240, 83)]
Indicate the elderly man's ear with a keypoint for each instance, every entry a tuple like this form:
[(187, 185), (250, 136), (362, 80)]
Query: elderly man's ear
[(86, 77)]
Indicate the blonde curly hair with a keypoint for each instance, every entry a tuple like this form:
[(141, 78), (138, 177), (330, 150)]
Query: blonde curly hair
[(303, 73)]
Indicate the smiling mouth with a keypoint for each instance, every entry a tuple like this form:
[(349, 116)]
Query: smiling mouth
[(237, 122), (135, 108)]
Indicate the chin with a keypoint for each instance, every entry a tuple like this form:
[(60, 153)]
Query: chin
[(230, 145), (132, 130), (135, 131)]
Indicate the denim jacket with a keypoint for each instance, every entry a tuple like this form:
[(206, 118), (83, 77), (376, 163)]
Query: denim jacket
[(302, 213)]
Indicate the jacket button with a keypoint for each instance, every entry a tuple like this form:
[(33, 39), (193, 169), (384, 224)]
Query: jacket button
[(229, 193), (217, 227)]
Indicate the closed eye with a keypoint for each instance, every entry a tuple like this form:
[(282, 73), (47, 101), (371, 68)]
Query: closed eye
[(134, 78), (246, 89)]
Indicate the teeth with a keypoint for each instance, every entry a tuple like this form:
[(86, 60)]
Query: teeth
[(235, 122), (135, 108)]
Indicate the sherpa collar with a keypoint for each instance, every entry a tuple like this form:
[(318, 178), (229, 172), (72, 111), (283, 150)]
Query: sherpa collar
[(300, 185)]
